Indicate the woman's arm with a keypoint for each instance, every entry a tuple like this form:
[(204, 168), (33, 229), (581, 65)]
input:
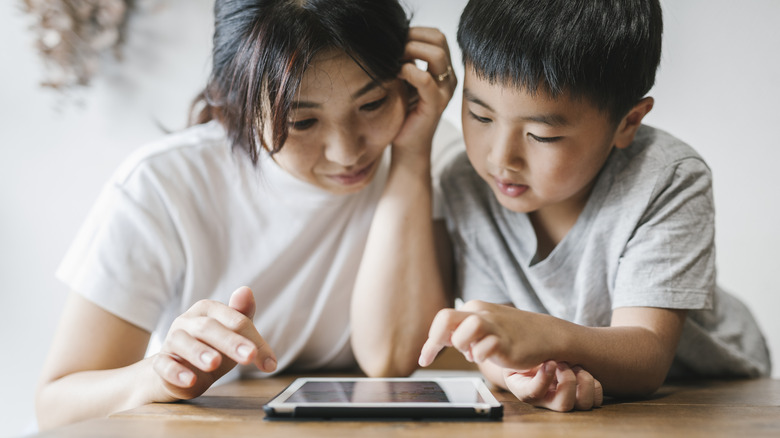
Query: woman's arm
[(94, 367), (399, 287), (96, 364)]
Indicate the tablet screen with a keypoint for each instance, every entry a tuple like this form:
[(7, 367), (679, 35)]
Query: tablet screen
[(383, 391)]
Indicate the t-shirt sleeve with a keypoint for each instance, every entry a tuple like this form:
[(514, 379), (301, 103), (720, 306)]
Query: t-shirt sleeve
[(127, 257), (669, 261)]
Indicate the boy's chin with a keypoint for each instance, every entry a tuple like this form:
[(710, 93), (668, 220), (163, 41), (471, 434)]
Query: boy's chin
[(516, 205)]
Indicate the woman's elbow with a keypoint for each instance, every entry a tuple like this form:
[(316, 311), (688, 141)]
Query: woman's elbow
[(385, 364)]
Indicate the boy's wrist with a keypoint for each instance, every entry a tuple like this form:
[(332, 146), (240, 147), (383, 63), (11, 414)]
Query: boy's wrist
[(564, 343)]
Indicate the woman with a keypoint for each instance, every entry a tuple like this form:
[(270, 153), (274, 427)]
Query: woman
[(319, 219)]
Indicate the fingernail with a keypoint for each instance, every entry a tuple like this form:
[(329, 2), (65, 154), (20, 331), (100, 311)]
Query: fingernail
[(269, 365), (208, 357), (244, 351), (186, 378)]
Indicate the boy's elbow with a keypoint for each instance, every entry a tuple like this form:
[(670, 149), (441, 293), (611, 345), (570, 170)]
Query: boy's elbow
[(637, 388)]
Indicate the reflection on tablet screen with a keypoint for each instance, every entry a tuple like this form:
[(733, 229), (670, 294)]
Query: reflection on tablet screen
[(369, 391)]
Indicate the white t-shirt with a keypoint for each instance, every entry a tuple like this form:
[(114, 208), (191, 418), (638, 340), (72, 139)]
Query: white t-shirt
[(186, 219)]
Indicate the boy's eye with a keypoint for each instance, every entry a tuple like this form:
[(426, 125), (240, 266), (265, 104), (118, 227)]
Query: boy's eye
[(479, 119), (301, 125), (544, 139), (371, 106)]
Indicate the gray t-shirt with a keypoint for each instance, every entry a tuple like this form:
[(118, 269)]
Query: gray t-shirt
[(645, 238)]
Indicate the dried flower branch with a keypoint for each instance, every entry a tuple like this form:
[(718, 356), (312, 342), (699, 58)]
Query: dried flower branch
[(73, 35)]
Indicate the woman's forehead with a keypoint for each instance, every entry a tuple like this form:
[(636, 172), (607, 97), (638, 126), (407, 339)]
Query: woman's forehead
[(334, 71)]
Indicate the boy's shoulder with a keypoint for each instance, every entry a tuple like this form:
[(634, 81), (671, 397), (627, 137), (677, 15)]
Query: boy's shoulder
[(467, 197), (459, 177), (655, 149)]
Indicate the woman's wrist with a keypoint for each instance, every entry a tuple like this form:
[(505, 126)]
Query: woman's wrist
[(411, 162), (149, 386)]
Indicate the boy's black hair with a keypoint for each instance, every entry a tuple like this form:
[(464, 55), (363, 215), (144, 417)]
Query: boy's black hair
[(606, 51)]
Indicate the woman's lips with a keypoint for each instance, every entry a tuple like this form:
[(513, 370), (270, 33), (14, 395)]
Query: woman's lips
[(352, 178), (510, 189)]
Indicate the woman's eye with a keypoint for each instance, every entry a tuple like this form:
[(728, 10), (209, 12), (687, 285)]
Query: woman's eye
[(479, 119), (371, 106), (301, 125), (544, 139)]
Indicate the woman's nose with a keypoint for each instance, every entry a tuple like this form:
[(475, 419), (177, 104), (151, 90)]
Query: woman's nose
[(345, 147)]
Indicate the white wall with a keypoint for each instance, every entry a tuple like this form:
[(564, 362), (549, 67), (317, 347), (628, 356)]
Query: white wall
[(717, 89), (53, 163)]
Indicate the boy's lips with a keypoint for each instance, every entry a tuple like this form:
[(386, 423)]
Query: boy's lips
[(509, 188)]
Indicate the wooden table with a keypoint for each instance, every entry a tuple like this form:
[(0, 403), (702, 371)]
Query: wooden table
[(739, 408)]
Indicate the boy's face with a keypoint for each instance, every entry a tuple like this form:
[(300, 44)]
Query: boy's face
[(536, 153)]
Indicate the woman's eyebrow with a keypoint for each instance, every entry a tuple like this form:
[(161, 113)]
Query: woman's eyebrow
[(365, 89)]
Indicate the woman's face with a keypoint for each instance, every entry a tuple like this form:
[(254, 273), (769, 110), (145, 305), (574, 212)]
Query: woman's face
[(340, 123)]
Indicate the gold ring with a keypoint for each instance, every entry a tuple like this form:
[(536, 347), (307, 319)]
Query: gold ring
[(445, 75)]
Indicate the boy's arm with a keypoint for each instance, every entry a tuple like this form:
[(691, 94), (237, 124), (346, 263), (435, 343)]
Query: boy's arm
[(633, 355), (629, 358)]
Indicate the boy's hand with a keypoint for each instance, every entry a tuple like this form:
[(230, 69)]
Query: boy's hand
[(508, 337), (555, 386), (206, 342)]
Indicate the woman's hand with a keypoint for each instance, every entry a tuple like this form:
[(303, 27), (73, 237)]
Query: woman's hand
[(433, 89), (555, 386), (206, 342)]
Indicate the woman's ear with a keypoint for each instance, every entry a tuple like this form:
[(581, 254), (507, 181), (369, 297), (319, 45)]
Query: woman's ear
[(627, 128)]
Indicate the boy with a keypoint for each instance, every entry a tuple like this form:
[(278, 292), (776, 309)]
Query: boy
[(586, 236)]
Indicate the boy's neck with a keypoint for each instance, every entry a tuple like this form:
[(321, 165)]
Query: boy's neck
[(553, 222), (550, 231)]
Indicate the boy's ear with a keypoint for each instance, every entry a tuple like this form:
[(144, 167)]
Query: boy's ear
[(627, 128)]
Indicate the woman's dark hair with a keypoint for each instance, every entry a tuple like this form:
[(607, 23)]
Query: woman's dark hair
[(263, 47), (607, 51)]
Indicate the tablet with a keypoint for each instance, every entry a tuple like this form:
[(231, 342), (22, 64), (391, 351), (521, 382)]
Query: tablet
[(364, 397)]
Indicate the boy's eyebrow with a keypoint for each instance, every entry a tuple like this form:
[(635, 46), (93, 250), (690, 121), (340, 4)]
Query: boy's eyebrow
[(356, 95), (474, 99), (552, 119)]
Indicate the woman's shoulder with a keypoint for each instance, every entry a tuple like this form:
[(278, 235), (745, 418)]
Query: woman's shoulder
[(199, 148)]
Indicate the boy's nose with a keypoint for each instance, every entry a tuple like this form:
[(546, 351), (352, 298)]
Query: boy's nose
[(506, 153)]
